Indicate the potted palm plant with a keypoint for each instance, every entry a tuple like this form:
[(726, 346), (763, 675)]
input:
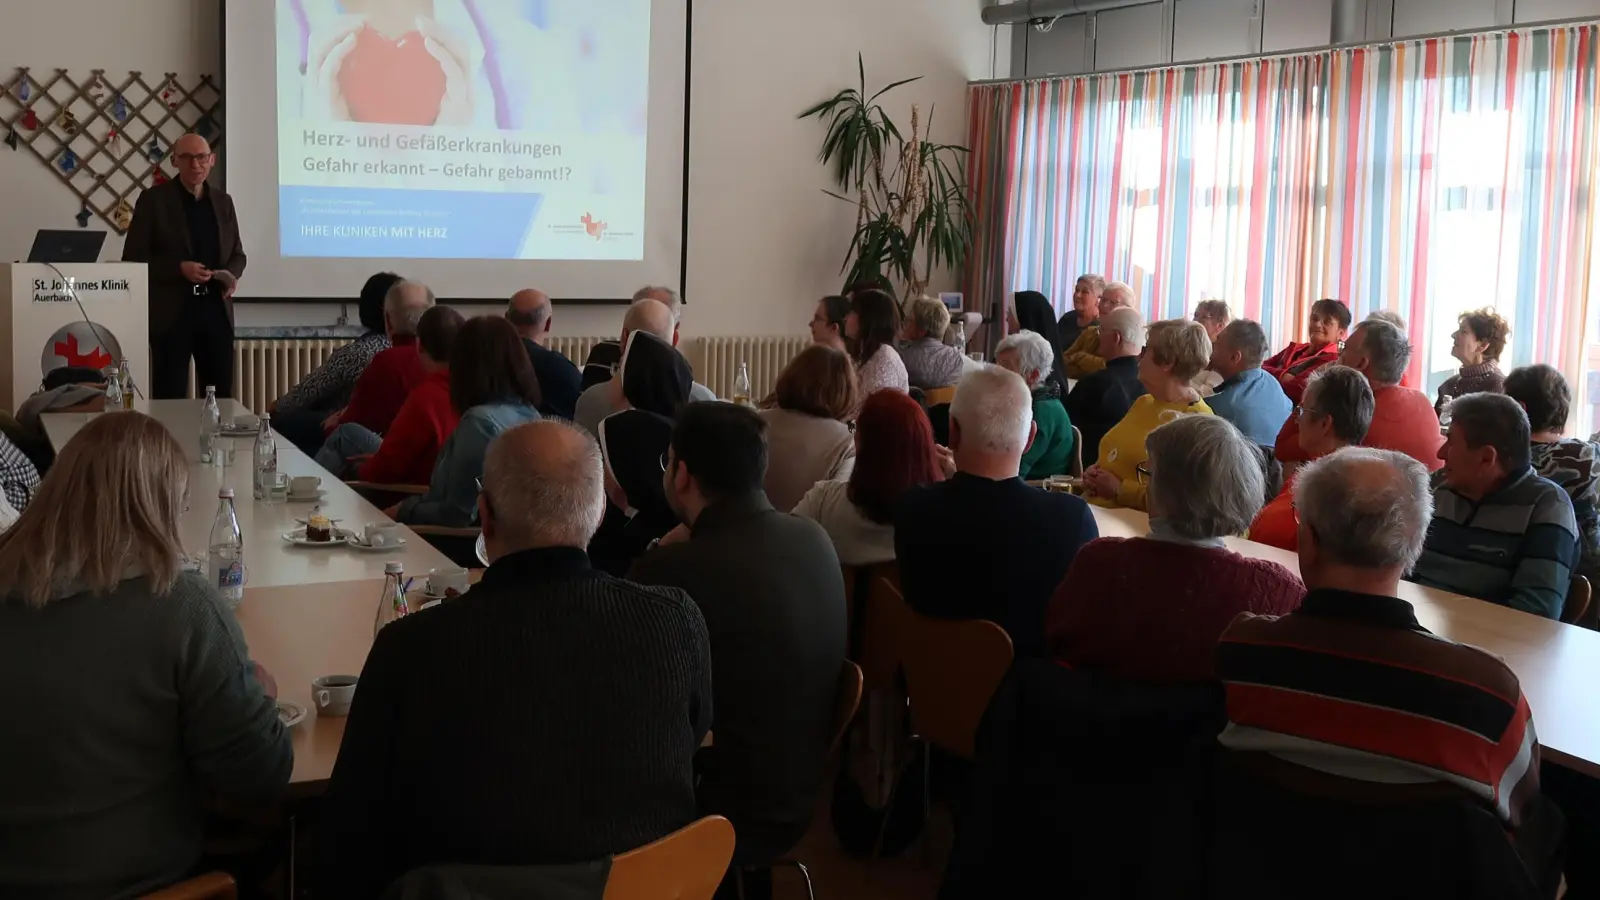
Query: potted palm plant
[(911, 204)]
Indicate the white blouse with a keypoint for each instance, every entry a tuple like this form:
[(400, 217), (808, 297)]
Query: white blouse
[(858, 540), (884, 370)]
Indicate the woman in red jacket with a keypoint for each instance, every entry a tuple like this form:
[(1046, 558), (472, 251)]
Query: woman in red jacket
[(1330, 323), (426, 419)]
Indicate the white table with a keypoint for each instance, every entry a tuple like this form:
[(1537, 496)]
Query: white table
[(270, 560)]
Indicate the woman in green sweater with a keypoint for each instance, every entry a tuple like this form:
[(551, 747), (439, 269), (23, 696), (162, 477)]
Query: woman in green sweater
[(1029, 354)]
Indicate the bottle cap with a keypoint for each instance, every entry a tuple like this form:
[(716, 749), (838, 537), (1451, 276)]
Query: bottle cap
[(225, 494), (211, 387), (393, 568)]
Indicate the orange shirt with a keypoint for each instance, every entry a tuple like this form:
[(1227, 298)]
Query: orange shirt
[(1275, 524), (1403, 419)]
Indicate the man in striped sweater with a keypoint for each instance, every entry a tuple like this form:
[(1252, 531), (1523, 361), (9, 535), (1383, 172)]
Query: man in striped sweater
[(1500, 531), (1350, 685)]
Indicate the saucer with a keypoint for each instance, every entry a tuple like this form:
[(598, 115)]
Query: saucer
[(307, 498), (359, 542), (297, 537), (483, 552), (290, 713)]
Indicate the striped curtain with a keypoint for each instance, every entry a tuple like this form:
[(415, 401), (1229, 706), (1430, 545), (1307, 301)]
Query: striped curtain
[(1426, 177)]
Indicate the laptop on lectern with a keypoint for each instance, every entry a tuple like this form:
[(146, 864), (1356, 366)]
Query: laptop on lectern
[(66, 246)]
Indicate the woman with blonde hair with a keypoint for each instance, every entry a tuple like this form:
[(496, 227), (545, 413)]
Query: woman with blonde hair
[(1174, 353), (126, 680)]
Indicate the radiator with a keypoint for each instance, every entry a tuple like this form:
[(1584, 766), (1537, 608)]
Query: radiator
[(719, 362)]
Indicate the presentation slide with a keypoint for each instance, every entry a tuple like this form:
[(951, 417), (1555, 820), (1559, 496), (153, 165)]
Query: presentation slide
[(462, 129)]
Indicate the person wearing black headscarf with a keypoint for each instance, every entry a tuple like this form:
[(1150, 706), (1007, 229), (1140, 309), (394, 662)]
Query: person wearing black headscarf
[(654, 384), (1032, 312)]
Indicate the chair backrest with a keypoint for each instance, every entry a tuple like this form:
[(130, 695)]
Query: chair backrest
[(210, 886), (685, 865), (1578, 596), (952, 668), (940, 396), (846, 701), (1075, 467), (875, 628)]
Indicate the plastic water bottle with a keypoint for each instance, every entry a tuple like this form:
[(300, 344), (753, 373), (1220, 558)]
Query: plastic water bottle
[(961, 334), (210, 426), (393, 604), (113, 389), (125, 376), (266, 460), (741, 385), (225, 557)]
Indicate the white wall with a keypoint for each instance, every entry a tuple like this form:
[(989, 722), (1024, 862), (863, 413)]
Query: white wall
[(764, 242)]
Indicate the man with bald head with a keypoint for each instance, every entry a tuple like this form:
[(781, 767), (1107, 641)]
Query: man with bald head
[(560, 383), (187, 234), (652, 317), (549, 715), (606, 354)]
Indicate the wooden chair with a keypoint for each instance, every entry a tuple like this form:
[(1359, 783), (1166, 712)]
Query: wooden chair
[(210, 886), (1578, 596), (685, 865), (874, 632), (941, 396), (384, 496), (1075, 468)]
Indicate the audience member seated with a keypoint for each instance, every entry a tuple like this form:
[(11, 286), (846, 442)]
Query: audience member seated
[(1030, 356), (929, 361), (604, 356), (869, 330), (426, 420), (298, 415), (983, 544), (1030, 311), (1479, 339), (19, 478), (1214, 315), (1329, 323), (493, 389), (1176, 352), (1501, 532), (1245, 394), (8, 513), (1101, 400), (772, 595), (827, 322), (549, 715), (1151, 609), (1084, 356), (1351, 687), (1569, 462), (1335, 413), (807, 438), (1085, 311), (26, 430), (394, 373), (1402, 418), (560, 382), (131, 693), (651, 317), (895, 452), (1399, 322)]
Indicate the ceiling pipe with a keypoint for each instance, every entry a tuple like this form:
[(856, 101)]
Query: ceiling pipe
[(1028, 10), (1349, 25)]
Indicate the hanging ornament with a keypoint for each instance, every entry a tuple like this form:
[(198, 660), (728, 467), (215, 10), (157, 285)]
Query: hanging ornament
[(67, 122), (169, 94), (97, 89), (30, 119), (122, 216), (113, 141), (23, 90), (12, 140), (154, 151), (158, 177), (119, 109), (83, 216), (67, 162)]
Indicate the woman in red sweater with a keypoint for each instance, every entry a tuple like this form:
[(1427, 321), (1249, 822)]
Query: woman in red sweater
[(1151, 609), (426, 419), (1330, 323)]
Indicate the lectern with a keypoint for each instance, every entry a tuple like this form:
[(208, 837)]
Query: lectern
[(89, 314)]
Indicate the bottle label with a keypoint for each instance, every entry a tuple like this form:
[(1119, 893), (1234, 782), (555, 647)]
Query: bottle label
[(230, 576)]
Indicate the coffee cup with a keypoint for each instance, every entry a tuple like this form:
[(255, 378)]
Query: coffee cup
[(447, 581), (304, 485), (331, 694), (244, 422), (383, 534)]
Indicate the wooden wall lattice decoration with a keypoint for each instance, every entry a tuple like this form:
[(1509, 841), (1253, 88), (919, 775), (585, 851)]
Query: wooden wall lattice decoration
[(80, 117)]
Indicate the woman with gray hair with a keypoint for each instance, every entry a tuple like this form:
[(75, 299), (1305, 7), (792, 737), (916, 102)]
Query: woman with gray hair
[(1335, 413), (1152, 608), (1030, 355)]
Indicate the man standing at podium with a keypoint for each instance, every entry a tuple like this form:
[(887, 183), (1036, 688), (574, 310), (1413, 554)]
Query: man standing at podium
[(188, 234)]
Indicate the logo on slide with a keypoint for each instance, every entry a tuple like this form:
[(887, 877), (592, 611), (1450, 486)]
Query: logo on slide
[(595, 228), (80, 344)]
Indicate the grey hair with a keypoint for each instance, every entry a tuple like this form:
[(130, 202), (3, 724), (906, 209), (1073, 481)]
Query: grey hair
[(1497, 421), (664, 295), (404, 314), (930, 315), (1362, 521), (1034, 354), (1095, 282), (1388, 351), (1119, 292), (1343, 395), (554, 495), (644, 315), (994, 409), (1213, 309), (1206, 478), (1388, 315), (1127, 322), (1249, 338)]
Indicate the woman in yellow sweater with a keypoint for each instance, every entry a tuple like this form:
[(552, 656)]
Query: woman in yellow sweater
[(1176, 351)]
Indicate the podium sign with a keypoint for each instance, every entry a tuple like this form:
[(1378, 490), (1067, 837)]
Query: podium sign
[(87, 315)]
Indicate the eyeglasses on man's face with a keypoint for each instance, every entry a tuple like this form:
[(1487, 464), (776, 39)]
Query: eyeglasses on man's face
[(184, 159)]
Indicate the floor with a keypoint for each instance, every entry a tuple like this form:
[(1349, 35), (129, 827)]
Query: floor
[(838, 876)]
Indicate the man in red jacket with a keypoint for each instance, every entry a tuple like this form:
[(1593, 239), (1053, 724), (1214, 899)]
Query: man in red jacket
[(394, 373)]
